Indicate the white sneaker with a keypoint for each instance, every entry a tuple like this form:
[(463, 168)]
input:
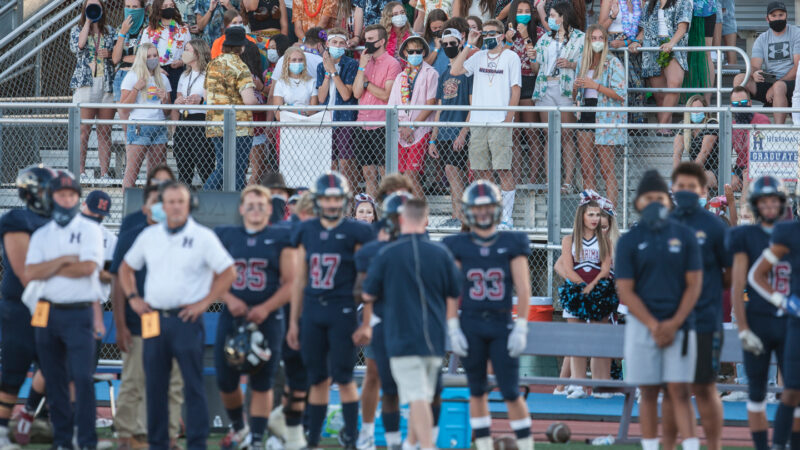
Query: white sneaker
[(277, 423), (735, 396), (577, 393), (295, 439), (366, 441), (771, 397), (561, 392), (602, 395), (274, 443), (237, 439)]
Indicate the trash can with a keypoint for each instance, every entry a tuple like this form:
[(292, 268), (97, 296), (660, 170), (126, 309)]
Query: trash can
[(540, 310)]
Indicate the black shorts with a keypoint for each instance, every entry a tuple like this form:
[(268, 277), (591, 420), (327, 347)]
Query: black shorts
[(450, 157), (710, 23), (371, 147), (588, 116), (709, 350), (528, 85), (763, 87)]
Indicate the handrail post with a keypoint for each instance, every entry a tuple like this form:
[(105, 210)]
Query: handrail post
[(392, 130), (74, 141), (719, 78), (553, 189), (627, 72), (725, 146), (229, 151)]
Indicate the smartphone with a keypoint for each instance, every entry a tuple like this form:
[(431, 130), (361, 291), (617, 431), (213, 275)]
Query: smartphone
[(769, 77)]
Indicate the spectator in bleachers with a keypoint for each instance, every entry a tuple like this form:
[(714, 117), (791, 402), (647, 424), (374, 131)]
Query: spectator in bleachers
[(312, 46), (729, 28), (186, 10), (620, 18), (774, 59), (191, 148), (266, 19), (366, 13), (496, 81), (664, 25), (416, 84), (395, 21), (209, 17), (600, 83), (542, 12), (310, 14), (449, 144), (701, 144), (335, 77), (482, 9), (145, 84), (364, 208), (740, 139), (251, 56), (296, 86), (124, 52), (168, 33), (377, 70), (521, 36), (701, 33), (229, 82), (557, 54), (434, 26), (231, 18), (426, 22), (91, 40)]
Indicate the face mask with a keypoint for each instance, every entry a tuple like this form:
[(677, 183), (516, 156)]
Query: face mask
[(296, 68), (336, 52), (702, 202), (552, 24), (777, 25), (399, 21), (697, 117), (152, 63), (742, 117), (451, 52), (96, 219), (137, 15), (272, 55), (169, 13), (157, 213), (654, 215), (415, 60), (523, 18), (490, 43), (63, 216), (598, 47), (686, 201), (370, 47), (187, 57)]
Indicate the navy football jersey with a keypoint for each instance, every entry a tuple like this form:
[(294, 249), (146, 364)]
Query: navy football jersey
[(364, 257), (752, 240), (257, 258), (488, 284), (788, 235), (15, 221), (330, 255)]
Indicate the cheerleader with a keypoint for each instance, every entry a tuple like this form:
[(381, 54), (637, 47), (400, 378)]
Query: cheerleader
[(587, 294)]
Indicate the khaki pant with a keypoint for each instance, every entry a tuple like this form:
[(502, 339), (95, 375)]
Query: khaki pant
[(131, 418)]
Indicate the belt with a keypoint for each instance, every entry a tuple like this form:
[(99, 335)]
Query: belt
[(74, 305), (489, 313), (168, 312)]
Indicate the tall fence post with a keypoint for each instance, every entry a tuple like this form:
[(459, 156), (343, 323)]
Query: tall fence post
[(725, 145), (553, 190), (74, 141), (392, 133), (229, 151)]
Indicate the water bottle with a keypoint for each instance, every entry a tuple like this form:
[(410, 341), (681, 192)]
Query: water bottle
[(217, 422), (602, 440)]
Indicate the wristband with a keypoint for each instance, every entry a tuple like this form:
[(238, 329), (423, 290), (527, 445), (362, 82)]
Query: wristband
[(469, 46), (432, 142), (327, 74), (436, 50), (362, 69), (123, 36)]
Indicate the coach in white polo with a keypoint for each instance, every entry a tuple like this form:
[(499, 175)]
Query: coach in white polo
[(187, 270)]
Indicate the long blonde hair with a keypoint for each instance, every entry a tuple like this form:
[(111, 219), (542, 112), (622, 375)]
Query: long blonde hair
[(386, 20), (588, 54), (285, 74), (140, 66), (687, 119), (577, 232)]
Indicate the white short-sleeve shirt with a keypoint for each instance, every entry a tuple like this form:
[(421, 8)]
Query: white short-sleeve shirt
[(296, 92), (492, 79), (81, 237), (180, 265), (109, 244), (193, 83), (145, 96)]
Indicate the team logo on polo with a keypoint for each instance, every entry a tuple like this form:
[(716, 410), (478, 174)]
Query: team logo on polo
[(701, 237), (674, 245)]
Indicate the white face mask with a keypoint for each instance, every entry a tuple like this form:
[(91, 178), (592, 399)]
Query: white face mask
[(399, 21), (597, 46), (272, 55)]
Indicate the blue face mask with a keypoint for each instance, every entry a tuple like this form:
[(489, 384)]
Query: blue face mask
[(654, 215), (552, 24), (415, 60), (702, 201), (157, 213), (523, 18), (137, 15), (296, 68), (63, 216), (336, 52), (697, 117)]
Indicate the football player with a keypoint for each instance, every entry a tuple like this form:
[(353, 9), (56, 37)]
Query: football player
[(494, 263)]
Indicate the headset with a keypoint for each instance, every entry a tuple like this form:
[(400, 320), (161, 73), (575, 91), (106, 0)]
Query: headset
[(194, 201)]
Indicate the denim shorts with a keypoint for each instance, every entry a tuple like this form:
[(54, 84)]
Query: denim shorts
[(147, 135), (118, 77)]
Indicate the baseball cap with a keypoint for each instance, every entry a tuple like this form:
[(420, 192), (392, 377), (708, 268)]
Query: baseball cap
[(776, 6), (99, 202), (65, 180)]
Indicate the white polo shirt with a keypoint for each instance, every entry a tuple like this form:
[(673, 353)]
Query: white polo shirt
[(180, 266), (81, 237), (109, 244)]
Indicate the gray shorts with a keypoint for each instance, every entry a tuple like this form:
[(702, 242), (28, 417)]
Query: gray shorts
[(416, 377), (646, 364)]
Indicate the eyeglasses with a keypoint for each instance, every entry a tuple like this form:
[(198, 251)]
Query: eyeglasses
[(414, 52), (450, 44), (489, 33), (741, 103)]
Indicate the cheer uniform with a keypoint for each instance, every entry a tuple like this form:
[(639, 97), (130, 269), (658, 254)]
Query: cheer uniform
[(602, 300)]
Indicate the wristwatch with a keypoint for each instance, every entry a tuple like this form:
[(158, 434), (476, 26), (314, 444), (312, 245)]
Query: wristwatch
[(131, 296), (366, 83)]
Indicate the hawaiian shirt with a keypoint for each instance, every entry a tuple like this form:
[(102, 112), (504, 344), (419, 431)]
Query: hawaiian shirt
[(83, 76), (571, 51), (214, 29), (308, 12), (612, 76), (679, 12), (226, 77), (372, 10)]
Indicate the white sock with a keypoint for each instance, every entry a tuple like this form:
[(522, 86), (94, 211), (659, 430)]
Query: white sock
[(484, 443), (650, 444), (508, 205), (407, 446), (525, 443), (393, 438), (435, 434), (691, 444), (295, 435), (368, 429)]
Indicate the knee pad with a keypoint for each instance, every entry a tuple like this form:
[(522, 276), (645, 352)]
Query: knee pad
[(296, 398), (758, 407)]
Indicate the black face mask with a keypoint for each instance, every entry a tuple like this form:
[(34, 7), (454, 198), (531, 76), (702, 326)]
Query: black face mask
[(370, 47), (63, 216), (777, 25), (451, 52), (654, 216), (169, 13), (686, 202), (437, 34)]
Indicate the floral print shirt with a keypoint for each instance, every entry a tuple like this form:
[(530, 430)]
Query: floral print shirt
[(82, 76), (612, 76), (679, 12), (571, 51)]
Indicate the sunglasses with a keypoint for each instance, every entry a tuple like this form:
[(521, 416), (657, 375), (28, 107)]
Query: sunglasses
[(489, 33), (740, 103), (414, 52), (450, 44)]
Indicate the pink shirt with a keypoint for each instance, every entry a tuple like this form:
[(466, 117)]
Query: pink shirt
[(425, 87), (378, 71)]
